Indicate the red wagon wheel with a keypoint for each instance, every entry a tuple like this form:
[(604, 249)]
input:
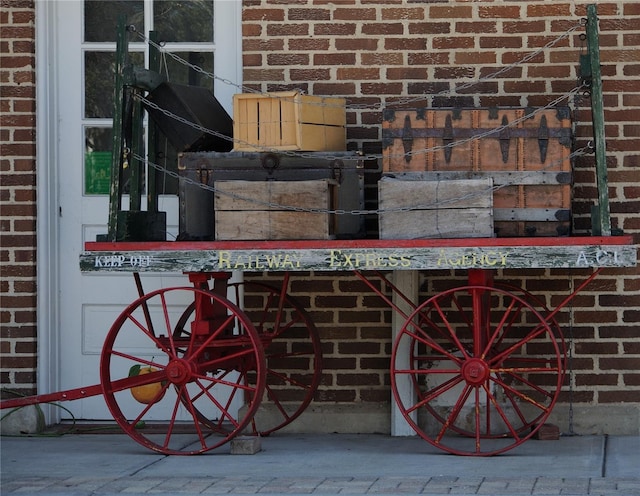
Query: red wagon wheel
[(293, 353), (486, 366), (189, 399)]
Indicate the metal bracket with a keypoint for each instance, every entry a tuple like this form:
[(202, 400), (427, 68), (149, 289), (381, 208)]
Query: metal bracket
[(407, 138)]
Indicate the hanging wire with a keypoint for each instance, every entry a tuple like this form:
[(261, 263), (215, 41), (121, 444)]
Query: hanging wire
[(374, 106), (481, 192), (490, 132)]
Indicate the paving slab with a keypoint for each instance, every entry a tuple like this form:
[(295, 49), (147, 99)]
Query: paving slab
[(622, 457), (297, 464)]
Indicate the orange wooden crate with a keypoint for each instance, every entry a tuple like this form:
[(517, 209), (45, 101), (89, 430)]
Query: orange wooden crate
[(529, 161), (288, 121)]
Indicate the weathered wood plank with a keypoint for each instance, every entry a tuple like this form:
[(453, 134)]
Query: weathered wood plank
[(499, 178), (435, 209), (274, 195), (275, 210), (273, 224), (348, 258), (531, 214), (444, 223), (431, 195)]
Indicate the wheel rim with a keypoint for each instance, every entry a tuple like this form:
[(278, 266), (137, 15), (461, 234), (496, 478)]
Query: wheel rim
[(200, 377), (486, 369), (293, 355)]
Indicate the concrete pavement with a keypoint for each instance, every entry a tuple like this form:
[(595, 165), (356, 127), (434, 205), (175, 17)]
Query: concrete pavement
[(292, 464)]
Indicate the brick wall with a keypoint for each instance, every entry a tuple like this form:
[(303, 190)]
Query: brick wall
[(17, 197), (375, 51)]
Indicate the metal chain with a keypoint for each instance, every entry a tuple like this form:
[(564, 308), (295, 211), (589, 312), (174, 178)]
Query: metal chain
[(398, 102), (422, 151), (570, 357), (581, 151)]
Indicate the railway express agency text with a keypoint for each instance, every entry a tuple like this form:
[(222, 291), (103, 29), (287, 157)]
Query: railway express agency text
[(346, 260), (292, 260)]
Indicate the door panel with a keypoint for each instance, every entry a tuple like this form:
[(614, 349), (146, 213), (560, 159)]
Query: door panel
[(89, 304)]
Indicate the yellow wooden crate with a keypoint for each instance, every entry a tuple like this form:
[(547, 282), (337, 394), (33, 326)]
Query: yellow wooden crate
[(288, 120)]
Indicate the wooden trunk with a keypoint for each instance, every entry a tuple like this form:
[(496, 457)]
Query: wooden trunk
[(288, 121), (274, 210), (414, 209), (199, 171), (525, 151)]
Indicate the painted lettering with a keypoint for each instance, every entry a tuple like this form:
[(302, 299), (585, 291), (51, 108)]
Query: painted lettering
[(582, 260), (224, 259), (472, 259), (109, 261), (367, 260), (241, 261), (140, 261)]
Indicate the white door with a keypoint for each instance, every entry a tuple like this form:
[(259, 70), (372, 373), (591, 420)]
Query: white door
[(206, 32)]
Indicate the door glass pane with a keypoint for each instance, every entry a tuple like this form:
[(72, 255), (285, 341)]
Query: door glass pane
[(184, 21), (178, 72), (101, 18), (97, 160), (99, 69)]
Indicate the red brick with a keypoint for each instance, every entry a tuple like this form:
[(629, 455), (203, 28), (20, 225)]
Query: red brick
[(308, 14), (449, 12), (359, 14), (500, 12), (453, 42), (623, 396), (549, 10), (334, 29)]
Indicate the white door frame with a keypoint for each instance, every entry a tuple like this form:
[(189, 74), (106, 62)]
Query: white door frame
[(50, 167)]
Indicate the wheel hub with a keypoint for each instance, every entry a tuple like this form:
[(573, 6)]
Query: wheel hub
[(180, 371), (475, 371)]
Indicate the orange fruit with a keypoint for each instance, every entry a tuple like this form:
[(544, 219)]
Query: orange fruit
[(148, 393)]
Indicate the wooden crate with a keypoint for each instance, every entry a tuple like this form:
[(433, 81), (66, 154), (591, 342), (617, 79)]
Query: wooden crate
[(288, 121), (415, 209), (265, 210), (528, 161)]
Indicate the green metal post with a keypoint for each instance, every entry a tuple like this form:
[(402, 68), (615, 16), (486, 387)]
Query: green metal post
[(117, 159), (152, 191), (136, 177), (601, 225)]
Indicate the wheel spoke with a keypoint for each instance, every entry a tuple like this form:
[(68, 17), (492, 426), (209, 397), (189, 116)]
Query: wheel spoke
[(149, 334), (451, 332), (435, 392), (501, 412), (422, 337), (501, 328), (455, 411)]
